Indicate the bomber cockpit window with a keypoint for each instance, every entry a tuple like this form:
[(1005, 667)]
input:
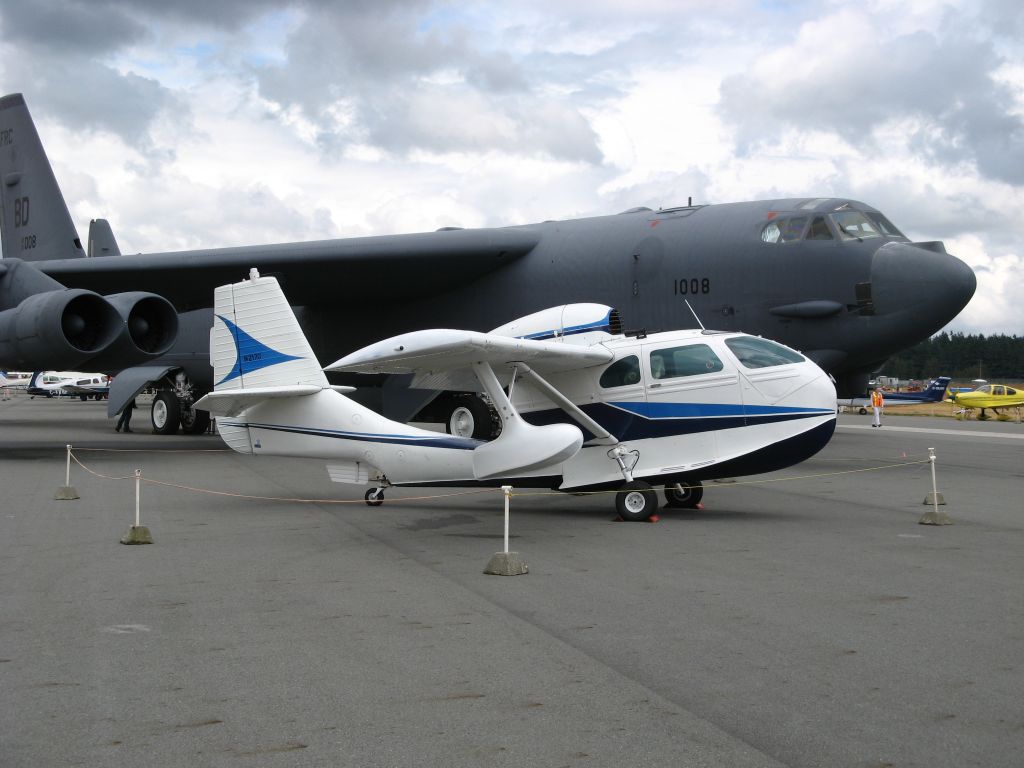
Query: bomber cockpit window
[(693, 360), (753, 352), (819, 229), (884, 225), (621, 373), (854, 225), (784, 229)]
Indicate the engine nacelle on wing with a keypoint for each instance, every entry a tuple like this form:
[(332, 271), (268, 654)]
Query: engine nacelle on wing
[(568, 320), (57, 329), (149, 329)]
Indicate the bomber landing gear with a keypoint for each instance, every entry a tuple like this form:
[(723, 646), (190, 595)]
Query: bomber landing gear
[(636, 501), (165, 413), (374, 497), (684, 495)]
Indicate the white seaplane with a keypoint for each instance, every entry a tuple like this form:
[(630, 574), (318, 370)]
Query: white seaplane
[(582, 406)]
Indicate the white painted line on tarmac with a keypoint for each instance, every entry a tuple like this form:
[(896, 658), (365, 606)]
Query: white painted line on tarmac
[(953, 432)]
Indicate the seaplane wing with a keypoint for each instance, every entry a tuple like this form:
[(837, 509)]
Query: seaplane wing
[(442, 350)]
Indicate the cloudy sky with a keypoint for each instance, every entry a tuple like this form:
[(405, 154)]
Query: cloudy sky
[(199, 123)]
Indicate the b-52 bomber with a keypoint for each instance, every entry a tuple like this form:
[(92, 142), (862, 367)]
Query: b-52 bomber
[(831, 277)]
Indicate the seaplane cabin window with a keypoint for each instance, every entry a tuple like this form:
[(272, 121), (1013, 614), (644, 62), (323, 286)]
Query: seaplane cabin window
[(753, 352), (693, 360), (854, 225), (1011, 391), (783, 229), (621, 373), (987, 389), (998, 390)]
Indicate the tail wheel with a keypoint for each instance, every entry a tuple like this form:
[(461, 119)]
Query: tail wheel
[(165, 413), (194, 421), (684, 495), (636, 501)]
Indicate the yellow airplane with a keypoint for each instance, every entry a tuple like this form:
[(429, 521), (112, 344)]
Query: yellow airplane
[(994, 396)]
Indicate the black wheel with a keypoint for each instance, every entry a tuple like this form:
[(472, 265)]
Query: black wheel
[(374, 497), (469, 417), (194, 422), (636, 501), (863, 411), (165, 414), (83, 398), (687, 498)]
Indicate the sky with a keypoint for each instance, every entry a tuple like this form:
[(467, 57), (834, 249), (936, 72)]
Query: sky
[(195, 124)]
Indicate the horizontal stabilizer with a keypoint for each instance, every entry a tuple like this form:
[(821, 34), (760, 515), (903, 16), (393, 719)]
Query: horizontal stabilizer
[(443, 349), (232, 402)]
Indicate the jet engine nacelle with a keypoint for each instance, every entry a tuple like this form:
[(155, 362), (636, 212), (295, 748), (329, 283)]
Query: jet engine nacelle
[(149, 327), (566, 320), (57, 329)]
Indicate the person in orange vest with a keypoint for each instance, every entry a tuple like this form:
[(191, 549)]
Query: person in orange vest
[(877, 403)]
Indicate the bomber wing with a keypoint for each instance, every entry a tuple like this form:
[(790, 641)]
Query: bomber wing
[(363, 270)]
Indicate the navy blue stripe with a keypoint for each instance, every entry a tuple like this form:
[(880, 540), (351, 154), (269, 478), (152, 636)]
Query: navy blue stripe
[(441, 441), (628, 425)]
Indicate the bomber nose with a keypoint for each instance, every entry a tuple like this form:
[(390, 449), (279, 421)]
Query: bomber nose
[(927, 287)]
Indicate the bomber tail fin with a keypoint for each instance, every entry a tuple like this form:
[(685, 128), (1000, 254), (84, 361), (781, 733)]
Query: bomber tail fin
[(256, 342), (35, 224)]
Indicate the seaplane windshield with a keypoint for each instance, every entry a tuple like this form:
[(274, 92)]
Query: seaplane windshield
[(621, 373), (754, 352)]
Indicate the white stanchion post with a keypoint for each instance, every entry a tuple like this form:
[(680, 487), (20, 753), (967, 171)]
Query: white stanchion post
[(138, 533), (66, 492), (933, 516), (506, 563), (507, 490)]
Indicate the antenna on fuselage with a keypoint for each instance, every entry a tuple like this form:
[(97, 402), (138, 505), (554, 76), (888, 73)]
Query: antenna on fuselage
[(687, 301)]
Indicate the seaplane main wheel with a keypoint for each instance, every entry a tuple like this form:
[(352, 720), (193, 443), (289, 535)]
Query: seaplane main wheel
[(687, 498), (636, 501), (374, 497)]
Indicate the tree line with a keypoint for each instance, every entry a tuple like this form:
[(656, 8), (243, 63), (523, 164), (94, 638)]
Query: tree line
[(962, 356)]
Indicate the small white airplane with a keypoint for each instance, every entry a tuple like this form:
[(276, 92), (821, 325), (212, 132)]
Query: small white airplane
[(586, 407), (74, 383), (14, 379)]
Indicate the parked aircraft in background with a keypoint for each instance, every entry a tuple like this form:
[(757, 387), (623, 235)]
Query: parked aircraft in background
[(831, 277), (935, 392), (75, 383), (994, 396), (587, 407), (14, 379)]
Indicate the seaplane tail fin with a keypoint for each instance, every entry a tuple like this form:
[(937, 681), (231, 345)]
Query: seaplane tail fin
[(256, 342)]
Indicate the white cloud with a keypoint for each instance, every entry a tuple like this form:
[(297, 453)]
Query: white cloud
[(277, 121)]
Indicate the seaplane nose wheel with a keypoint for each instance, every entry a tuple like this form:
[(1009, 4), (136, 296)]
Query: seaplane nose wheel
[(684, 495), (374, 497), (636, 501)]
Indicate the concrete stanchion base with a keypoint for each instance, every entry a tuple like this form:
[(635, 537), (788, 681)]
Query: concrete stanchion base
[(506, 564), (931, 517), (137, 534), (66, 493), (930, 499)]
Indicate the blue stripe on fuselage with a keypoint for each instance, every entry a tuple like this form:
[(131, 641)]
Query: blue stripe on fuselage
[(441, 441), (641, 420)]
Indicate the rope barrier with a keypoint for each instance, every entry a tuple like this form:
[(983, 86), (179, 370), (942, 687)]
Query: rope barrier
[(744, 482), (474, 491)]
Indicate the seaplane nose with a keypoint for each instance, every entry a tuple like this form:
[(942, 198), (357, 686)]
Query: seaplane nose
[(921, 282)]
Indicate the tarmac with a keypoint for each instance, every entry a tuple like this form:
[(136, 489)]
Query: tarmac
[(805, 621)]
